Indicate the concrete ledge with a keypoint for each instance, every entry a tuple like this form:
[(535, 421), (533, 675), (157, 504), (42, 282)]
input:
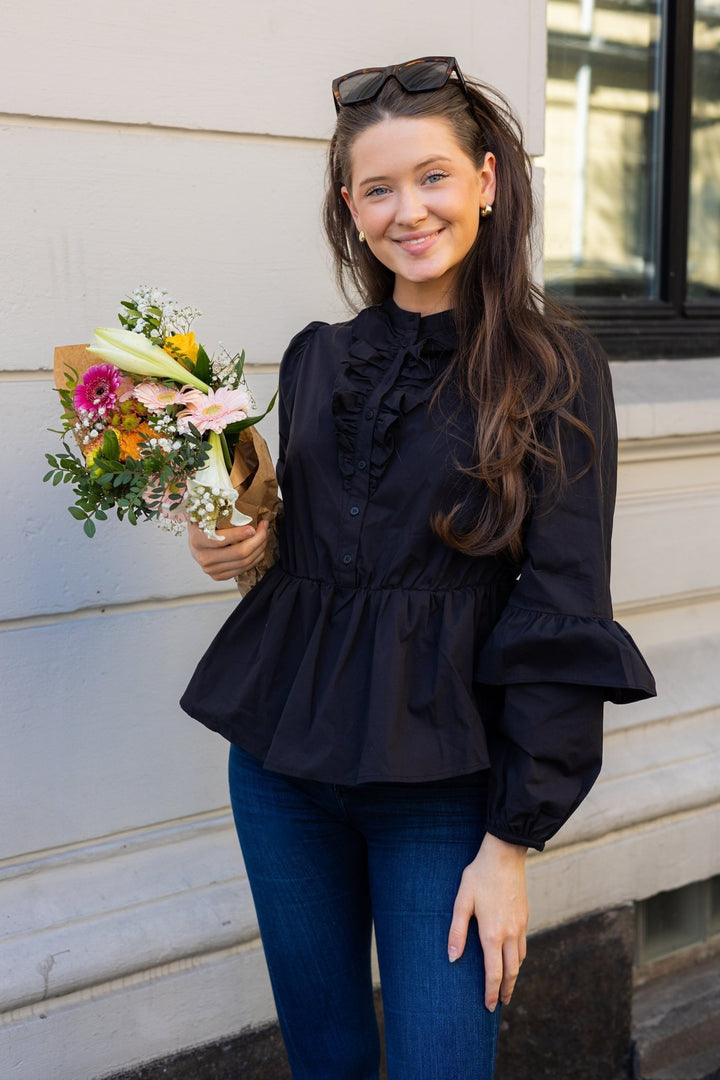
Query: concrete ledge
[(666, 397)]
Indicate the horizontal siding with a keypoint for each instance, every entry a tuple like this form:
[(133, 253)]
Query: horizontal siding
[(248, 66), (229, 226)]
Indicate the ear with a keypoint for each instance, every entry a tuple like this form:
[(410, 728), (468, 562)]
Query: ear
[(486, 176), (351, 205)]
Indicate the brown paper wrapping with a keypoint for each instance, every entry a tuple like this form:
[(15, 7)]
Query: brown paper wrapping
[(253, 477), (252, 474), (75, 357)]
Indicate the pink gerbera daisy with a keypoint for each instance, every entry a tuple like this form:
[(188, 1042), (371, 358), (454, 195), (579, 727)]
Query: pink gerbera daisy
[(156, 397), (96, 393), (215, 410)]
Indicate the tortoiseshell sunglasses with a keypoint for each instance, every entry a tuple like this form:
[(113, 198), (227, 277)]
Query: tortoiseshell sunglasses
[(415, 76)]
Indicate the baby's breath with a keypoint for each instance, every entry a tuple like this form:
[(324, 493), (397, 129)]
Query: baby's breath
[(154, 313)]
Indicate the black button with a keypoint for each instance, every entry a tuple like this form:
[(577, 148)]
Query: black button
[(362, 463), (354, 510), (369, 414), (347, 559)]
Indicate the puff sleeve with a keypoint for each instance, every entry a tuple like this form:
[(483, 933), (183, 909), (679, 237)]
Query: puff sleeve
[(555, 653)]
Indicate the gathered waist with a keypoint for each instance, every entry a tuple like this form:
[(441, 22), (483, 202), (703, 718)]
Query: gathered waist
[(494, 578)]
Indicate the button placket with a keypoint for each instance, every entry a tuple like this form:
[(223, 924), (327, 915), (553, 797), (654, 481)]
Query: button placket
[(357, 495)]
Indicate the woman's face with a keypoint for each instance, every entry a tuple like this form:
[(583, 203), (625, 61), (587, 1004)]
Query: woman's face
[(417, 195)]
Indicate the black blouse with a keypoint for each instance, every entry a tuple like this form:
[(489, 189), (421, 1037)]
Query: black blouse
[(372, 651)]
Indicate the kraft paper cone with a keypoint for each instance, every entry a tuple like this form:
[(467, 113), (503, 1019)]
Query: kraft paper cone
[(70, 358), (253, 477)]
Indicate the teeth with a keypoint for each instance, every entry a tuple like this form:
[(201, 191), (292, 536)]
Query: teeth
[(419, 240)]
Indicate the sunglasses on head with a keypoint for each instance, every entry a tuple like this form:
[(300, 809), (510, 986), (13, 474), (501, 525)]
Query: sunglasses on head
[(415, 76)]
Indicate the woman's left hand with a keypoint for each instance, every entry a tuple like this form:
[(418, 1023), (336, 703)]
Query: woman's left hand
[(493, 889)]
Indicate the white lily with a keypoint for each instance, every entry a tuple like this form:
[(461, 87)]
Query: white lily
[(133, 353), (210, 494)]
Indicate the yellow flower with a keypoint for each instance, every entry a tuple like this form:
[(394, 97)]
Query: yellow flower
[(182, 347)]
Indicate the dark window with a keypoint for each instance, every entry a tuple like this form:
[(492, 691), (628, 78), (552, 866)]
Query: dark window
[(632, 171), (678, 919)]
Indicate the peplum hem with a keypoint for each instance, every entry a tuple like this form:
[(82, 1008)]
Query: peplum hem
[(528, 646), (350, 685)]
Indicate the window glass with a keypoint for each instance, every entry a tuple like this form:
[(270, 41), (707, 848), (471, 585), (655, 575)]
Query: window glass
[(603, 138), (704, 239), (671, 921)]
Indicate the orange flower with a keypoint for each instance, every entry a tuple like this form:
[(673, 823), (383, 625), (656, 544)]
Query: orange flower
[(182, 347), (130, 441)]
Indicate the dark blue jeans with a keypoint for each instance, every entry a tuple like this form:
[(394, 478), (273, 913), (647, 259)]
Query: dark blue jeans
[(324, 862)]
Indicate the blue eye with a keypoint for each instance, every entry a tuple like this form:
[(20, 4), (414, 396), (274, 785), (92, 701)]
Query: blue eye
[(433, 177), (379, 190)]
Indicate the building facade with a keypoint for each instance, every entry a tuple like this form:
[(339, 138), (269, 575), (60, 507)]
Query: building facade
[(185, 147)]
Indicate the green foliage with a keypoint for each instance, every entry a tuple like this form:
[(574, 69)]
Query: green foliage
[(134, 488)]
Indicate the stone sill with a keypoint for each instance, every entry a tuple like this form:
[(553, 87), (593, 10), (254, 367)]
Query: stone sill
[(661, 398)]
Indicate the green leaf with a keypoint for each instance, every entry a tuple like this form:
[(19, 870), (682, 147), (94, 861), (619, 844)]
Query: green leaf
[(57, 478), (47, 476), (77, 513), (100, 515), (131, 517), (89, 528), (110, 446), (203, 368)]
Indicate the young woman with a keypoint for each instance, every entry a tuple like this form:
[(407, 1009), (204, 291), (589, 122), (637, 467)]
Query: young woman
[(414, 692)]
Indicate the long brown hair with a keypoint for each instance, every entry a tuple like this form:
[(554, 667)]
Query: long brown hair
[(515, 363)]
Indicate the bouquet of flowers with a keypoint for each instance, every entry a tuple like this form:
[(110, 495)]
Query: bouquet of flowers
[(157, 423)]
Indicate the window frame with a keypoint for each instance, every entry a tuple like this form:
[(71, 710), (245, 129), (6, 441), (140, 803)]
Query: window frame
[(671, 326)]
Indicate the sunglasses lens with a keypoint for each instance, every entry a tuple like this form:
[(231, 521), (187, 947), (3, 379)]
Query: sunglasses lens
[(430, 75), (360, 87)]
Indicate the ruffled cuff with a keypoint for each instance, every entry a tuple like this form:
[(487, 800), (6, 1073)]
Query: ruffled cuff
[(529, 646), (546, 753)]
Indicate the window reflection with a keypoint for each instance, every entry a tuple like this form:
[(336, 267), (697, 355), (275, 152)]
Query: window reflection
[(704, 238), (602, 147)]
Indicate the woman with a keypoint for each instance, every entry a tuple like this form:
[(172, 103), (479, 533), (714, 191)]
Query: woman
[(414, 691)]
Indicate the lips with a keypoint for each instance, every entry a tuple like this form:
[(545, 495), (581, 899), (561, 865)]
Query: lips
[(417, 242)]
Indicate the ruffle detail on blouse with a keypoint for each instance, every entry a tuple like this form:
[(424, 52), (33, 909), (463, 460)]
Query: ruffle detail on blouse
[(544, 647), (350, 685), (362, 373)]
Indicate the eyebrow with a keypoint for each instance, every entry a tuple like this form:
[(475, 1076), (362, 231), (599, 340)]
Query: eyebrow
[(420, 165)]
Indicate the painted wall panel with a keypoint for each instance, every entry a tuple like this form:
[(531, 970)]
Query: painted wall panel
[(237, 66), (97, 742), (228, 225)]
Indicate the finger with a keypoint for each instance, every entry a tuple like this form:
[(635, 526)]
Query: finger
[(511, 969), (228, 535), (492, 953), (224, 568), (457, 937)]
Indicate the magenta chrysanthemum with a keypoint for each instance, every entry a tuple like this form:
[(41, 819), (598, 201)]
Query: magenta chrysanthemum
[(96, 393)]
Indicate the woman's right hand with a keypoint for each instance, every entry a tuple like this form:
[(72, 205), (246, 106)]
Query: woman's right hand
[(241, 548)]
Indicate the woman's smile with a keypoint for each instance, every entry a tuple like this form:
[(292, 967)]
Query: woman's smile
[(417, 243)]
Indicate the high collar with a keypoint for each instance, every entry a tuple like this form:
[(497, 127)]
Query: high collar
[(392, 324)]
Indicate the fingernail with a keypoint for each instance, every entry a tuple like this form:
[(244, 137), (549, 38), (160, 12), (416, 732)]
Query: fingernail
[(490, 1008), (452, 954)]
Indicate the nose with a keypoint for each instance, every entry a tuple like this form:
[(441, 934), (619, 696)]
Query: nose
[(410, 207)]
